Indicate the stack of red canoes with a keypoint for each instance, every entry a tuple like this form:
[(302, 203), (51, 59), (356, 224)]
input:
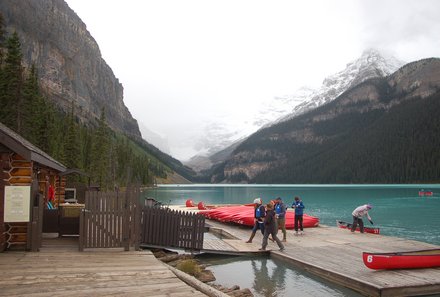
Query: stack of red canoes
[(244, 215)]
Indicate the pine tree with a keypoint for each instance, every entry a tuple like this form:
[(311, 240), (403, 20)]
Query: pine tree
[(11, 99), (71, 141), (2, 39), (100, 152), (32, 101)]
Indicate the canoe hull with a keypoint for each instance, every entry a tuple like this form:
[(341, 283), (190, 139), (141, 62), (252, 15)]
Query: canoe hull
[(404, 260), (345, 225), (244, 215)]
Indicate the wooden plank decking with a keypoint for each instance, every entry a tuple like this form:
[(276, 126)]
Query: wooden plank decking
[(63, 271), (336, 254), (332, 253)]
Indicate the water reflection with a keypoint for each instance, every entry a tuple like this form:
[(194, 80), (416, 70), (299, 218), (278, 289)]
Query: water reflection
[(265, 283), (270, 277)]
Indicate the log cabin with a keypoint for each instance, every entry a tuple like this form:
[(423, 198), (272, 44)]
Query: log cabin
[(30, 182)]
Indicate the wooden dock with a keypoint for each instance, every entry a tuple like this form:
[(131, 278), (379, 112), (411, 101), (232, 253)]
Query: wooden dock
[(60, 270), (336, 255), (329, 252)]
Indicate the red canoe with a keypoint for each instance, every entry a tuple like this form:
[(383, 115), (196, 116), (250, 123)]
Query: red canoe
[(425, 193), (402, 260), (345, 225), (244, 215)]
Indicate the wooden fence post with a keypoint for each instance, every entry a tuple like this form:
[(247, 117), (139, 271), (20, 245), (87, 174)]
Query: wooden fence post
[(81, 230)]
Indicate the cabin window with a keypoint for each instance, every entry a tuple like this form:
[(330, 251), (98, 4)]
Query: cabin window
[(70, 195)]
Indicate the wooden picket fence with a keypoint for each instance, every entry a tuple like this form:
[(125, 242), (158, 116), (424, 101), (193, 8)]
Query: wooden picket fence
[(110, 220), (116, 219), (164, 227)]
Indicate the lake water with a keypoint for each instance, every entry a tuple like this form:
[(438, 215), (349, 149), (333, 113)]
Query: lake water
[(271, 277), (397, 209)]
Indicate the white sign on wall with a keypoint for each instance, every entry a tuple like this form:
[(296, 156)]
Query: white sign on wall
[(17, 204)]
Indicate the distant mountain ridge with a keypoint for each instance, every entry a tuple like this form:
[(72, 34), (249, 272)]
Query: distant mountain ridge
[(371, 64), (384, 130)]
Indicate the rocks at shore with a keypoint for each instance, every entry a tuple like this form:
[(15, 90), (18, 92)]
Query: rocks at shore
[(234, 291), (188, 264)]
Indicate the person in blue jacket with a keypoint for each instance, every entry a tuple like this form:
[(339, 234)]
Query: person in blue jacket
[(280, 215), (259, 214), (299, 211)]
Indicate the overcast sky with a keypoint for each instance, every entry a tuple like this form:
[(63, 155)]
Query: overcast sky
[(185, 63)]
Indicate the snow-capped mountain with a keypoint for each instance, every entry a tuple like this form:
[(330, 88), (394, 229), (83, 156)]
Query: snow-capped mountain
[(371, 64)]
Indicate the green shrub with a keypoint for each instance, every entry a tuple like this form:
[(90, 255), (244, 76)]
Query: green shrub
[(189, 266)]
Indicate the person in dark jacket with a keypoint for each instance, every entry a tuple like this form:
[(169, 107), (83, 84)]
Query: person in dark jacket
[(270, 228), (280, 215), (259, 214), (299, 211)]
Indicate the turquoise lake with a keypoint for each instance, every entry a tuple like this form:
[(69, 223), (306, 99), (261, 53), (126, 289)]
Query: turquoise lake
[(397, 209)]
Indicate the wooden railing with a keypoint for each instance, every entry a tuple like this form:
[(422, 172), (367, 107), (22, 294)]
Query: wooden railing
[(168, 228)]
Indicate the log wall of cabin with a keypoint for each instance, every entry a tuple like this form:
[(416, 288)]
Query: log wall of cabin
[(60, 186), (16, 171), (4, 165)]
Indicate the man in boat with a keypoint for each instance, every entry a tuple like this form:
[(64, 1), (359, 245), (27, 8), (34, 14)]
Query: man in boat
[(270, 228), (280, 215), (259, 214), (358, 213), (298, 205)]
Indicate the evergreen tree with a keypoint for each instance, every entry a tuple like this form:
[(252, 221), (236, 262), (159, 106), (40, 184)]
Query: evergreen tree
[(2, 39), (72, 151), (99, 162), (85, 148), (11, 99), (32, 101)]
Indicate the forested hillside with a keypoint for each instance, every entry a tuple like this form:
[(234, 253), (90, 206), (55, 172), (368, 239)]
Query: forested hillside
[(110, 158), (382, 131)]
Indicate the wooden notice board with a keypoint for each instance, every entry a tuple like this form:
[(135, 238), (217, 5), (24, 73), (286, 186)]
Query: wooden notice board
[(17, 204)]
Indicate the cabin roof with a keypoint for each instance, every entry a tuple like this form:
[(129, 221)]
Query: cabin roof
[(27, 150)]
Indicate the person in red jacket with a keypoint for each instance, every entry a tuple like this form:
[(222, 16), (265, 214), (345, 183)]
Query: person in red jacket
[(51, 194)]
